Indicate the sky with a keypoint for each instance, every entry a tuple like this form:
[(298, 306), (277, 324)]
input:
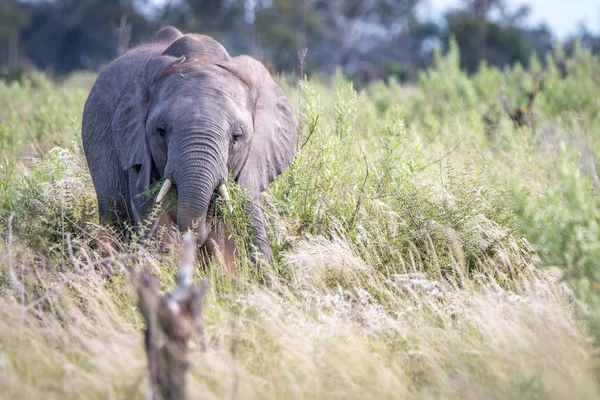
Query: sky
[(563, 16)]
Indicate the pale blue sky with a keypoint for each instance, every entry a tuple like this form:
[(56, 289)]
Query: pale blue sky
[(563, 16)]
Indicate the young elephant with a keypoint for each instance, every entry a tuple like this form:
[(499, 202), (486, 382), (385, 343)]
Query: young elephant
[(181, 110)]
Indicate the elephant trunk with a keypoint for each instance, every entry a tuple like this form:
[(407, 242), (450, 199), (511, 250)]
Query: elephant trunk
[(196, 180)]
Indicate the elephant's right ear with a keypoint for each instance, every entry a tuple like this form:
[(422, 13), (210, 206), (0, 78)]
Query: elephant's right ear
[(129, 121)]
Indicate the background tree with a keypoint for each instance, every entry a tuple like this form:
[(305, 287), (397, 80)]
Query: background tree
[(499, 41), (367, 39), (12, 18)]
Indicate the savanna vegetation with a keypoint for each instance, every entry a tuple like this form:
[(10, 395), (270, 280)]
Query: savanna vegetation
[(428, 244)]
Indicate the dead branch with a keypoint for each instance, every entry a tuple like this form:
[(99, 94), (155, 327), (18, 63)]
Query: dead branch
[(523, 116), (171, 320)]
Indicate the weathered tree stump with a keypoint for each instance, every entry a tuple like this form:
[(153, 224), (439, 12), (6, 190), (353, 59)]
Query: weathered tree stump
[(171, 320)]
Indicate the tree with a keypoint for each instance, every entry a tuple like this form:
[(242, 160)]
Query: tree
[(368, 39), (12, 18), (63, 35), (500, 41)]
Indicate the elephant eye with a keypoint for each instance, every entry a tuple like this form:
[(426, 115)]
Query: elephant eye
[(161, 131), (238, 133)]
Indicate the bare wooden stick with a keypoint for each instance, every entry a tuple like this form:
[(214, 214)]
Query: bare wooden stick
[(171, 320)]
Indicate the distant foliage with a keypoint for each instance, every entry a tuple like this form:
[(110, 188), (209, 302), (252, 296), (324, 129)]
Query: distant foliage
[(368, 40)]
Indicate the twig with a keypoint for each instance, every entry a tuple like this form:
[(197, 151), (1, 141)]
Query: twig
[(362, 191), (311, 131), (233, 349), (592, 167), (430, 140), (78, 272), (444, 156), (408, 211), (17, 286)]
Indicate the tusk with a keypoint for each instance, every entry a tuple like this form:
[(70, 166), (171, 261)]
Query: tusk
[(225, 196), (163, 190), (223, 192)]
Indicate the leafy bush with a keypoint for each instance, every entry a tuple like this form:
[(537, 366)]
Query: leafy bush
[(564, 226), (410, 234), (54, 200)]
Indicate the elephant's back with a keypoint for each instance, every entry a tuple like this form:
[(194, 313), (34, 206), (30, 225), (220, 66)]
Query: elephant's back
[(113, 81)]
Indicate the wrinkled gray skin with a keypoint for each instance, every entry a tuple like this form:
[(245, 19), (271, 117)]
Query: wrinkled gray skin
[(180, 107)]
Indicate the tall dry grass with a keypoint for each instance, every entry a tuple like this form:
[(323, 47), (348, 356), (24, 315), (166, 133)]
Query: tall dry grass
[(421, 339), (421, 252)]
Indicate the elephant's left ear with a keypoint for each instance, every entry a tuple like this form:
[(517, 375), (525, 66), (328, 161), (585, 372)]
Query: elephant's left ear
[(274, 142), (129, 120)]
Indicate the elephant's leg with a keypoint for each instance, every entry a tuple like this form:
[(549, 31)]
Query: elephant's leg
[(113, 210), (112, 192), (263, 256), (165, 229), (141, 205), (221, 246)]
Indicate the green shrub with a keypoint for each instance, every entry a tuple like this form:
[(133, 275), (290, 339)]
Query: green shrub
[(55, 200), (409, 234)]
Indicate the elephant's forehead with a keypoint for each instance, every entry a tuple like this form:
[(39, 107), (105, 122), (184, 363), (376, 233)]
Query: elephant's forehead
[(204, 82), (194, 47)]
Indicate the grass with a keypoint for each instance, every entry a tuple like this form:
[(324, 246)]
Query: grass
[(425, 248)]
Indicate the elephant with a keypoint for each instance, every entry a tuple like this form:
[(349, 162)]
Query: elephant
[(180, 110)]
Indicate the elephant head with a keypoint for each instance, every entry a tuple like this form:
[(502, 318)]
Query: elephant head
[(192, 122)]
